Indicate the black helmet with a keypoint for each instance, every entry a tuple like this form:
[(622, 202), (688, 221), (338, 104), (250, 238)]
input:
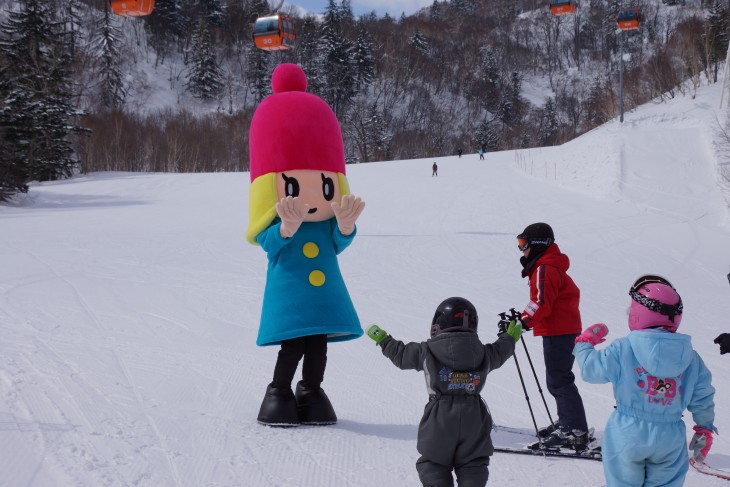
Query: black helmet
[(538, 236), (454, 314)]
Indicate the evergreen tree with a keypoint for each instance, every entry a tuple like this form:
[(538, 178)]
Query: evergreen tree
[(548, 123), (717, 35), (214, 11), (338, 69), (419, 42), (39, 55), (205, 77), (505, 110), (108, 70), (258, 75), (435, 13), (72, 25), (15, 124), (164, 27), (594, 113), (514, 96), (377, 137), (486, 136), (310, 55), (490, 77), (363, 59)]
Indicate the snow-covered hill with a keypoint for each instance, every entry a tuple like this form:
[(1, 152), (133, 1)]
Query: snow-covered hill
[(129, 307)]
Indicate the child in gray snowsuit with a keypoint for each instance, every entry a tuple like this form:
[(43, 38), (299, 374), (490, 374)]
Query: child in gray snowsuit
[(454, 433)]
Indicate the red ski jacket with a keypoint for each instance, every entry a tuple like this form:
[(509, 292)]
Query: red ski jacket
[(554, 297)]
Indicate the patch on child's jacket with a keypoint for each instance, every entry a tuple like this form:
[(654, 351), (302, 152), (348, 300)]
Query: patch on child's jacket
[(658, 390), (531, 308), (460, 380)]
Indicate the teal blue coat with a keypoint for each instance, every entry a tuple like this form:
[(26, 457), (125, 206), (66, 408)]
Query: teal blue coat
[(305, 293)]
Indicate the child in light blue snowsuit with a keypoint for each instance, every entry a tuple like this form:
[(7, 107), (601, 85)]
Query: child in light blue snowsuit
[(656, 375)]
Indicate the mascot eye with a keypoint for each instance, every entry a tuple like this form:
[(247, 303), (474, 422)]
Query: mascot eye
[(328, 188), (291, 186)]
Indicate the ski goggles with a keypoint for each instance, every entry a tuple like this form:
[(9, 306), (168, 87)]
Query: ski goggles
[(522, 243), (669, 310)]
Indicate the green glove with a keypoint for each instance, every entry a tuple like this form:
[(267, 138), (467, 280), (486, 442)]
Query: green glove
[(377, 334), (515, 330)]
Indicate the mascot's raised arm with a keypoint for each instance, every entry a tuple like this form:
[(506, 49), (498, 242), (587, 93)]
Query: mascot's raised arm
[(303, 215)]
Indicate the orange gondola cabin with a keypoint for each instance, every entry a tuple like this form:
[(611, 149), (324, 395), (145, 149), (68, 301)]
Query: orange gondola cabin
[(274, 33), (629, 19), (562, 7), (133, 8)]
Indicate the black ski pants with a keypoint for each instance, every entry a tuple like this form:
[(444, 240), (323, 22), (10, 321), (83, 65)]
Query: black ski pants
[(314, 350), (558, 353)]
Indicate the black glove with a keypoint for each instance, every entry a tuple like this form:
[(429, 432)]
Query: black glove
[(724, 342), (514, 315)]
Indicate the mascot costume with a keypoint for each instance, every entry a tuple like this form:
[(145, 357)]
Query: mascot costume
[(302, 215)]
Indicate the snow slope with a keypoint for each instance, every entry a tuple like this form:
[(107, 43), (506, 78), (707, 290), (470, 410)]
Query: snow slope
[(129, 307)]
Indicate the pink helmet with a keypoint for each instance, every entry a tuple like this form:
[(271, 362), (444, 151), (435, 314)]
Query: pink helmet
[(655, 304)]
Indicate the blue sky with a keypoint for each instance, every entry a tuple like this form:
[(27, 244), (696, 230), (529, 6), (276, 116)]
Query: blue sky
[(359, 7)]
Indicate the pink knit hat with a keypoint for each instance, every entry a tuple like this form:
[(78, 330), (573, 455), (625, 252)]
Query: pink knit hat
[(293, 129)]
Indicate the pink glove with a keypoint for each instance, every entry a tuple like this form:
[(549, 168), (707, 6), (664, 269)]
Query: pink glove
[(594, 334), (700, 443)]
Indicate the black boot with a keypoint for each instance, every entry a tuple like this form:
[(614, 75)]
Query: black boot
[(313, 406), (279, 407)]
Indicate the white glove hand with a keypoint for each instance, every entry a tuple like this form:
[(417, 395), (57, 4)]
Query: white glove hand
[(292, 212), (348, 212)]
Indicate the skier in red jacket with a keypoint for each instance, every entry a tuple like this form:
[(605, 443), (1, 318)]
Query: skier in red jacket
[(553, 314)]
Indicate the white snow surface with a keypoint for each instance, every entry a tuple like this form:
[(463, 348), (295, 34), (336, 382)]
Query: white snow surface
[(129, 307)]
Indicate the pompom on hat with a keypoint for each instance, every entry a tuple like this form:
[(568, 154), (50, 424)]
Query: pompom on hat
[(293, 129)]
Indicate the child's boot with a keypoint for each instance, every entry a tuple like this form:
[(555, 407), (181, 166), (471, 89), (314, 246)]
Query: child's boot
[(313, 406), (279, 407)]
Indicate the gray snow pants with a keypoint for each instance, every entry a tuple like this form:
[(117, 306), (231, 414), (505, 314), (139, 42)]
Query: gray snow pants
[(454, 434)]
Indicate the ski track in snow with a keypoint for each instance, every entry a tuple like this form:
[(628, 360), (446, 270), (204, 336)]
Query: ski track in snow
[(129, 307)]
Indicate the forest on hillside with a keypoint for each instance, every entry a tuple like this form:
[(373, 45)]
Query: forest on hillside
[(86, 90)]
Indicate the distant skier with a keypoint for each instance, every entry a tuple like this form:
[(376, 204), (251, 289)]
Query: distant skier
[(434, 170), (454, 433), (459, 152), (724, 342), (553, 314), (656, 375), (481, 154)]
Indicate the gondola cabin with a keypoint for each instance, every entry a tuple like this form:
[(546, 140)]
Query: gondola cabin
[(133, 8), (629, 19), (274, 33), (562, 7)]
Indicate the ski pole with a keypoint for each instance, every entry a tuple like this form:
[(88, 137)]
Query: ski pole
[(524, 389), (514, 315)]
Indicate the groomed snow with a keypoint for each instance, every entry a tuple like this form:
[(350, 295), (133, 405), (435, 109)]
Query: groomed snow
[(129, 307)]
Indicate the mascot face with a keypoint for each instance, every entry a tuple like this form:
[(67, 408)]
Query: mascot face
[(318, 189)]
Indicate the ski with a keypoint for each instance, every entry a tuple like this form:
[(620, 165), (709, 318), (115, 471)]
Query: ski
[(513, 430), (543, 432), (702, 467), (546, 452)]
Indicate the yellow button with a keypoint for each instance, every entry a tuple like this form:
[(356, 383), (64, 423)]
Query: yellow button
[(310, 250), (316, 278)]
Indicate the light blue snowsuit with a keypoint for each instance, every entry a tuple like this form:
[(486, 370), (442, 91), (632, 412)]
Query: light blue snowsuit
[(656, 375)]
